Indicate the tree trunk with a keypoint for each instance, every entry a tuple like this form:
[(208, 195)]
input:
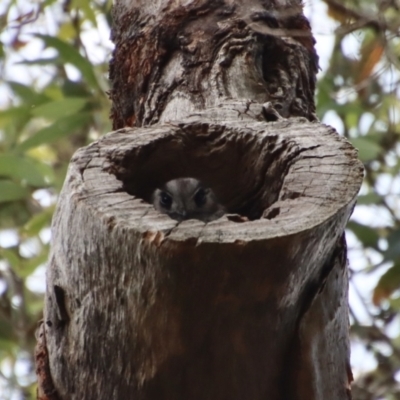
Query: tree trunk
[(250, 306)]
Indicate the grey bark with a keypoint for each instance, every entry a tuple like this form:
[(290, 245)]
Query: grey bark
[(250, 306), (173, 58)]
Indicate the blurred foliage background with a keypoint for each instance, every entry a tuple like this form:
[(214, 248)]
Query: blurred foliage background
[(53, 99)]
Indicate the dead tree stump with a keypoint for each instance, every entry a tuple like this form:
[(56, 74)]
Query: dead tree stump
[(250, 306), (237, 308)]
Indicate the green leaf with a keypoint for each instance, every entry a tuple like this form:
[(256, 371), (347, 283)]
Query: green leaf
[(60, 108), (393, 251), (11, 256), (14, 213), (370, 198), (395, 303), (48, 3), (24, 267), (28, 266), (22, 168), (367, 149), (352, 118), (70, 54), (38, 222), (27, 93), (368, 236), (87, 8), (10, 191), (63, 127), (39, 61), (6, 336), (14, 113), (388, 283), (34, 304), (74, 89)]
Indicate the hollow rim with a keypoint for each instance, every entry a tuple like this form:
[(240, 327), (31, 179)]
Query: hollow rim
[(330, 178)]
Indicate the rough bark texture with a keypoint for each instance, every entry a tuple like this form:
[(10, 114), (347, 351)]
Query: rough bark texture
[(175, 57), (250, 306), (156, 309)]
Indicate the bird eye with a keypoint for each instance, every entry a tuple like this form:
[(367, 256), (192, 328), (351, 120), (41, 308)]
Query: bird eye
[(165, 200), (200, 197)]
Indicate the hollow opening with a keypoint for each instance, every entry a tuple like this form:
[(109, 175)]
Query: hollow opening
[(244, 168)]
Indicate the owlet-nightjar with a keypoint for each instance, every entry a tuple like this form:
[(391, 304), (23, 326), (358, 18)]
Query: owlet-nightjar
[(187, 198)]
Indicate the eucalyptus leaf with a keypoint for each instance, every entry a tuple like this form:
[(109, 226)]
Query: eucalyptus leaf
[(7, 337), (38, 222), (11, 256), (393, 251), (27, 93), (40, 61), (367, 235), (367, 149), (70, 54), (60, 128), (10, 191), (370, 198), (387, 284), (14, 113), (60, 108), (28, 266), (22, 168)]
